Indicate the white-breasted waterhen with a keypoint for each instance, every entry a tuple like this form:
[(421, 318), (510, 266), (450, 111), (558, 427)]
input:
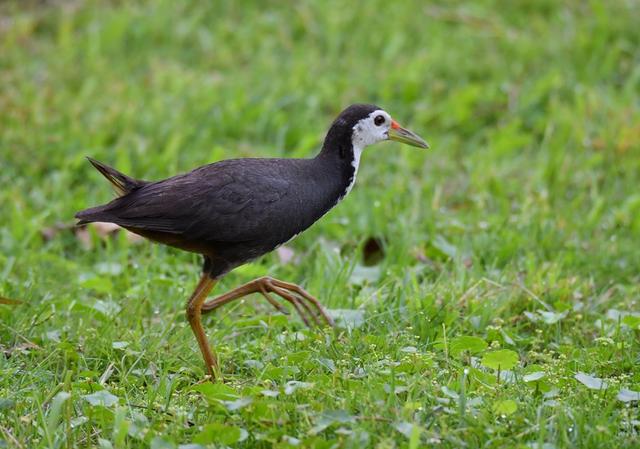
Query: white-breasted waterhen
[(236, 210)]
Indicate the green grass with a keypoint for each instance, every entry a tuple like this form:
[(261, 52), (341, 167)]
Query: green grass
[(520, 228)]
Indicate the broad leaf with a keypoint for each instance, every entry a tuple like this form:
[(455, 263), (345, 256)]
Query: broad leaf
[(347, 318), (331, 417), (632, 321), (101, 398), (221, 434), (293, 385), (232, 406), (161, 443), (593, 383), (216, 392), (625, 395), (552, 317), (466, 343), (507, 407), (503, 359), (532, 377)]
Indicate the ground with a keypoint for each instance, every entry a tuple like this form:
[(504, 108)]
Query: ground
[(488, 287)]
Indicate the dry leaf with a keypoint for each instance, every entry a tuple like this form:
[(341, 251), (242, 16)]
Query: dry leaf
[(51, 232), (19, 348), (103, 230), (83, 236), (133, 238), (11, 302)]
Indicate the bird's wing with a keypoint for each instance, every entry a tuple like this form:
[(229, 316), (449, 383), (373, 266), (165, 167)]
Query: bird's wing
[(225, 202)]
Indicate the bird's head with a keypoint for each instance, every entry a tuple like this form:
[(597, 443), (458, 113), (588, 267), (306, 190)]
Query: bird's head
[(362, 125)]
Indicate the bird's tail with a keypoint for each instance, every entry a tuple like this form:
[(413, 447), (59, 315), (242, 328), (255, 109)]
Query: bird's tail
[(121, 183)]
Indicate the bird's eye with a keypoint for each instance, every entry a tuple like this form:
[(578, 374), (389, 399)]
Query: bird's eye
[(379, 120)]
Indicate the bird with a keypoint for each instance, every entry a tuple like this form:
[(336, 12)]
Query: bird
[(236, 210)]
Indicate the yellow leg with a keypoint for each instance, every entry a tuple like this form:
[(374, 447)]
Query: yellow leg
[(194, 309), (302, 301)]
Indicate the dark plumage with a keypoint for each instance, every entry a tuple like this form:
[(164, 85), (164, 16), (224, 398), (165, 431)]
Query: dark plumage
[(222, 210), (235, 210)]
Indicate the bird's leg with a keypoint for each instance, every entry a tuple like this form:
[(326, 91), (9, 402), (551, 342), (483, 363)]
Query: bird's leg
[(266, 285), (194, 309)]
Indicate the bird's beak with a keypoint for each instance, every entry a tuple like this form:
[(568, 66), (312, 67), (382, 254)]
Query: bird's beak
[(399, 134)]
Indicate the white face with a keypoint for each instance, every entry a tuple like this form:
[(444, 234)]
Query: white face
[(371, 129)]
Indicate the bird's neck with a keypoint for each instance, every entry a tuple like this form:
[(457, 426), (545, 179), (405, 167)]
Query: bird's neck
[(340, 162)]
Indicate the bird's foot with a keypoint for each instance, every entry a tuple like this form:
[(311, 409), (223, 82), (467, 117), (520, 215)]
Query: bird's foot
[(307, 306)]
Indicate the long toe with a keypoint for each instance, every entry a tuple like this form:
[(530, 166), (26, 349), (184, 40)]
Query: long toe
[(305, 295), (282, 309), (293, 300)]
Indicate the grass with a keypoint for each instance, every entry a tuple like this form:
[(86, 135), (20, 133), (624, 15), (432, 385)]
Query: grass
[(500, 310)]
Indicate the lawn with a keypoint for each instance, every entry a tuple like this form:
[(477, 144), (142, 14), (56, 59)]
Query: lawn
[(488, 288)]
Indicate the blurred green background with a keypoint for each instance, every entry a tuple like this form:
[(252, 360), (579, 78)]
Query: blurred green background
[(520, 227)]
